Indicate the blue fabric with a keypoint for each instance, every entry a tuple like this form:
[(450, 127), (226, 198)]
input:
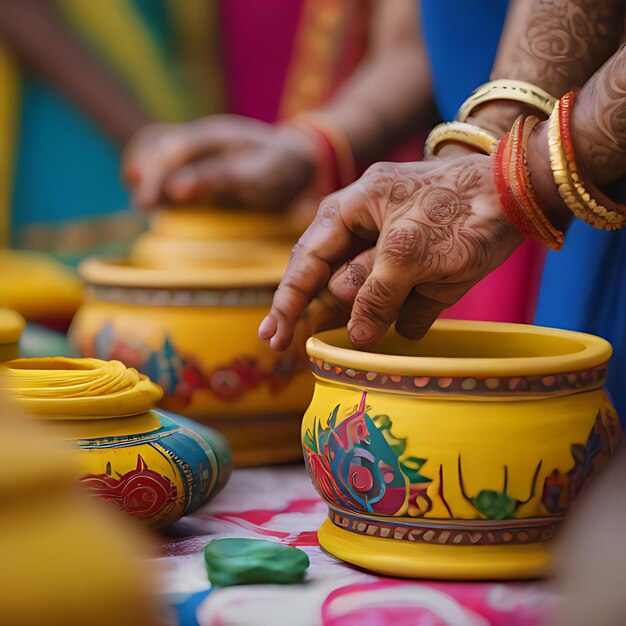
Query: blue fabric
[(462, 39), (584, 288), (186, 610), (67, 169)]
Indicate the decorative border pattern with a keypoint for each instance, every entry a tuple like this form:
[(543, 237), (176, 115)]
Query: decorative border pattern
[(145, 296), (549, 385), (461, 533)]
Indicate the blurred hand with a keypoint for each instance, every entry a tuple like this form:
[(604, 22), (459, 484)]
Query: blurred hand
[(225, 159), (401, 244)]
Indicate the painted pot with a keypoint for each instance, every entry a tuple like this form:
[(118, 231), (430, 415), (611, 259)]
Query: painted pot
[(11, 328), (459, 455), (194, 332), (153, 465), (64, 553)]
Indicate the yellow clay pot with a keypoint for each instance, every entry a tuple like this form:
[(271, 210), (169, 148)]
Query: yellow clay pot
[(67, 559), (155, 466), (11, 327), (194, 332), (184, 237), (456, 456), (215, 223), (39, 288)]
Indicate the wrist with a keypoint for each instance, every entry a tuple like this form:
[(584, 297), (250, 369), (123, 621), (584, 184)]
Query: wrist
[(498, 116), (538, 159), (302, 149)]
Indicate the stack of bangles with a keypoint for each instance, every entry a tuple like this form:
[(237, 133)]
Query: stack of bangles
[(334, 158), (511, 174), (578, 192), (515, 191)]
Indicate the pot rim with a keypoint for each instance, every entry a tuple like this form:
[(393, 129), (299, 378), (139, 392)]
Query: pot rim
[(83, 388), (120, 273), (587, 351), (11, 326)]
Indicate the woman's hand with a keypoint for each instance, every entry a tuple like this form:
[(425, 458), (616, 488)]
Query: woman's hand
[(401, 244), (225, 159)]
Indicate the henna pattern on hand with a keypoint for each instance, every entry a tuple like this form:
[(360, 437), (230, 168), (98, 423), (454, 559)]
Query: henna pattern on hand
[(439, 240)]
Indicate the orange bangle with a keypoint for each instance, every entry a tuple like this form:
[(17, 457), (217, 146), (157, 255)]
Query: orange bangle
[(552, 237), (508, 203)]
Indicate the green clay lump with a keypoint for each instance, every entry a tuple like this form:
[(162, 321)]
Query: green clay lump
[(253, 561)]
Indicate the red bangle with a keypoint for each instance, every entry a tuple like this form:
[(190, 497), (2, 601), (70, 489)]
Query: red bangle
[(336, 137), (514, 187), (328, 179), (507, 200), (546, 233)]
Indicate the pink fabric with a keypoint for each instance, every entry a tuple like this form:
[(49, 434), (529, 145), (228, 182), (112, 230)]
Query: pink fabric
[(257, 39), (509, 294), (433, 604)]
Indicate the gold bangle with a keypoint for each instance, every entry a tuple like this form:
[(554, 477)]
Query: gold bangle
[(504, 89), (570, 187), (462, 133)]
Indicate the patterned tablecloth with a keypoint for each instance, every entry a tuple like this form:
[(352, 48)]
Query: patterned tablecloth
[(280, 504)]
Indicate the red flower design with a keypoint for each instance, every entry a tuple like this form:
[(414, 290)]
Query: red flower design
[(141, 492)]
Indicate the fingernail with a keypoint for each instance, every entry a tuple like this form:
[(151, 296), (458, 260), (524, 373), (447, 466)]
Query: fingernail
[(267, 328), (360, 332)]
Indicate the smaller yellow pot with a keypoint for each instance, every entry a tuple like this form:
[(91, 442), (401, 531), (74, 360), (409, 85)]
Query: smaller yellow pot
[(11, 327), (155, 466), (183, 237), (459, 455)]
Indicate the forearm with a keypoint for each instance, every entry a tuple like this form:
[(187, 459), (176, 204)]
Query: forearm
[(39, 40), (554, 44), (389, 95), (598, 127)]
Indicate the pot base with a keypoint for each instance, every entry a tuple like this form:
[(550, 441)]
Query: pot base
[(417, 560)]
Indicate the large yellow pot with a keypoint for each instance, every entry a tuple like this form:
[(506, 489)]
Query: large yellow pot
[(194, 332), (155, 466), (11, 327), (456, 456), (67, 560)]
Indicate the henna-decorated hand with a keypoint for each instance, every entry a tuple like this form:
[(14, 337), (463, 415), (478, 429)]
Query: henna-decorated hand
[(226, 159), (401, 244)]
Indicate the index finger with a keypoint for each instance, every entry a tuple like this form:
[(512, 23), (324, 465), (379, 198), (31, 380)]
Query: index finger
[(328, 242)]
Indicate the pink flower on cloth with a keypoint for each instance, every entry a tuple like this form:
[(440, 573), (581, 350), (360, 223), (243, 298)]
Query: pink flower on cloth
[(433, 604)]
